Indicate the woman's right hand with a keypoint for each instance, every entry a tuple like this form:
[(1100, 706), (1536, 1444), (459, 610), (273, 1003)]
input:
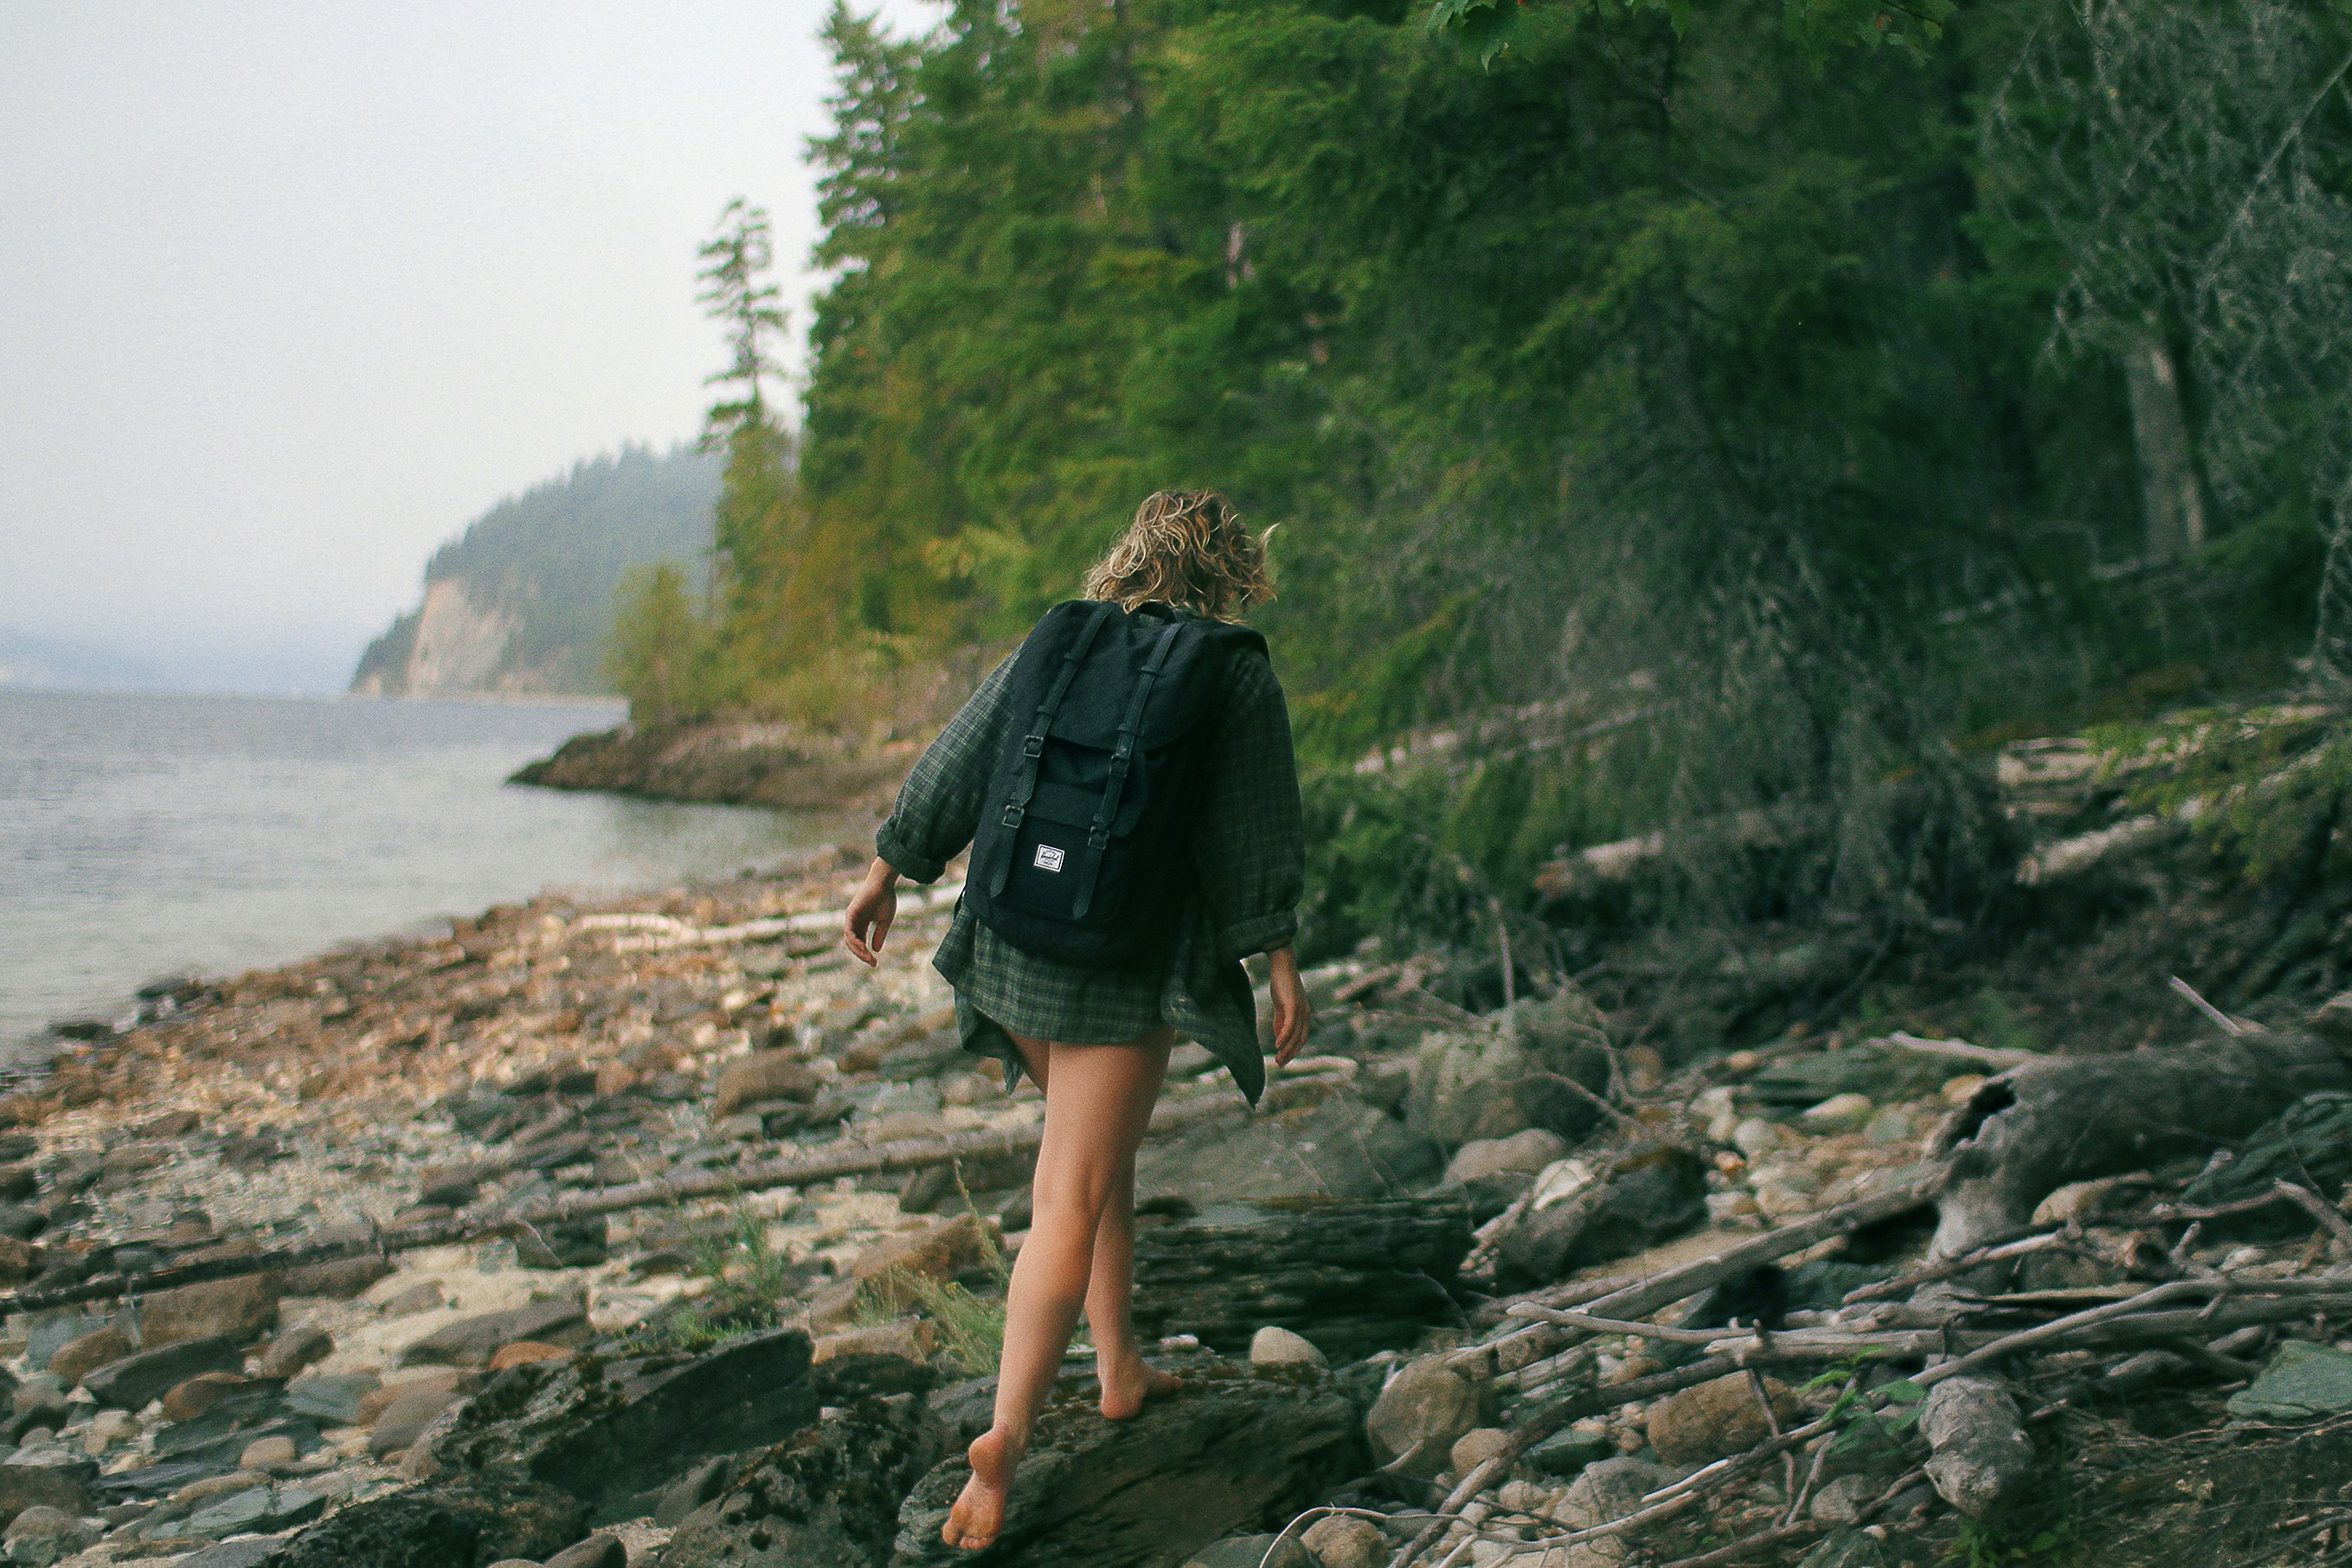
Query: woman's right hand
[(871, 909), (1292, 1014)]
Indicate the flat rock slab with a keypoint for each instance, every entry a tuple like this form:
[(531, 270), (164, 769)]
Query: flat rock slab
[(472, 1342), (1352, 1275), (606, 1431), (132, 1382), (1230, 1452), (440, 1526), (2304, 1382)]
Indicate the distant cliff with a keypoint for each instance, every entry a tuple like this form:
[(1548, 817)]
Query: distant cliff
[(523, 601)]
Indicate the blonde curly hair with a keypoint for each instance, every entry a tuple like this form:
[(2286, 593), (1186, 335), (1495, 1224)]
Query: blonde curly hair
[(1186, 548)]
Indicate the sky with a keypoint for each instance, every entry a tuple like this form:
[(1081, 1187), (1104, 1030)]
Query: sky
[(290, 293)]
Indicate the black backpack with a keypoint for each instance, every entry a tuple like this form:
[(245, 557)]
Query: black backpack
[(1087, 826)]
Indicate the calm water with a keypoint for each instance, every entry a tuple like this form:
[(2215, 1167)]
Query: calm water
[(144, 835)]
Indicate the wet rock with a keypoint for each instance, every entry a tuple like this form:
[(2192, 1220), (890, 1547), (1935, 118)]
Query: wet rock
[(699, 1486), (1229, 1451), (403, 1420), (472, 1342), (830, 1495), (458, 1521), (763, 1075), (1507, 1076), (1361, 1275), (1423, 1409), (85, 1353), (133, 1380), (1713, 1419), (1609, 1205), (607, 1431)]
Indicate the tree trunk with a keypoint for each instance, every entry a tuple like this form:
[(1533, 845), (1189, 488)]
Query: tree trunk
[(2171, 501)]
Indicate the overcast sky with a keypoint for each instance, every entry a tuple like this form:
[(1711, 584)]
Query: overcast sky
[(289, 292)]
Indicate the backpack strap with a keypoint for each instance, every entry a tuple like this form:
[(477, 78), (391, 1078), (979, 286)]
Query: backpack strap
[(1129, 728), (1033, 744)]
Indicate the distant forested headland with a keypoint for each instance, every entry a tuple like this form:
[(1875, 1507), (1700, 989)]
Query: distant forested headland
[(1736, 418), (522, 600)]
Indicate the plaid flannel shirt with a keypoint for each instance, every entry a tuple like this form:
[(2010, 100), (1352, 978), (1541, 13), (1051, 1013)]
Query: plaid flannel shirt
[(1249, 874)]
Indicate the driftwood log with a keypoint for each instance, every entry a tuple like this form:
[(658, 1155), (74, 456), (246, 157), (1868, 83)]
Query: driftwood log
[(1355, 1276), (2030, 1131)]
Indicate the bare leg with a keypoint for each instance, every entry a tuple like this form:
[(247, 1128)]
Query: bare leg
[(1098, 1100)]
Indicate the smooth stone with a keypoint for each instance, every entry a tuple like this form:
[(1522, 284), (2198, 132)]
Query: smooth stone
[(1343, 1541), (1428, 1403), (1715, 1419), (332, 1397), (472, 1342), (295, 1350), (85, 1353), (132, 1382), (1525, 1151), (1272, 1346)]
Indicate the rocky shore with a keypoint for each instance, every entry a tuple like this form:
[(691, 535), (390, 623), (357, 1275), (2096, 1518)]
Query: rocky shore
[(727, 763), (1466, 1288)]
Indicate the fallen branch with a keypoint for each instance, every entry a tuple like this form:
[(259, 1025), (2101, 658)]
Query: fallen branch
[(1997, 1057)]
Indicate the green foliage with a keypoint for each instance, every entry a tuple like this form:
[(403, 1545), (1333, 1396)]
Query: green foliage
[(2264, 786), (748, 1282), (970, 1328), (659, 653), (1818, 26)]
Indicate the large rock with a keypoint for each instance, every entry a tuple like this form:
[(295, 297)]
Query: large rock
[(1699, 1425), (462, 1520), (1227, 1452), (85, 1353), (933, 1252), (763, 1075), (472, 1342), (1604, 1204), (615, 1433), (66, 1488), (1352, 1275), (238, 1310), (1527, 1151), (1426, 1407), (1342, 1147), (829, 1495), (340, 1278), (132, 1382), (2304, 1382), (1506, 1074)]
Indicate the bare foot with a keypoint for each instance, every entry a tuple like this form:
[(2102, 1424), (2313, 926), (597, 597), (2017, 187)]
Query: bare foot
[(1126, 1385), (979, 1511)]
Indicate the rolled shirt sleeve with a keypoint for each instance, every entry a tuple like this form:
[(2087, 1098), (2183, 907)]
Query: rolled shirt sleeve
[(1253, 857), (938, 808)]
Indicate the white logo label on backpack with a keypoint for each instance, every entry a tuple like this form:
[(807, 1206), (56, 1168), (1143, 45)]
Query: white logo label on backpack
[(1048, 858)]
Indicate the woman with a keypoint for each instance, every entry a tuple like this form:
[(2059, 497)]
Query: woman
[(1097, 1041)]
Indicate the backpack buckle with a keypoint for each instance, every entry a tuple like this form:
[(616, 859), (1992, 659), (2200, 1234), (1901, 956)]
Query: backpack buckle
[(1013, 814), (1098, 839), (1033, 746)]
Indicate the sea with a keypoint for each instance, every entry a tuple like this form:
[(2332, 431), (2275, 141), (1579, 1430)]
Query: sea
[(150, 835)]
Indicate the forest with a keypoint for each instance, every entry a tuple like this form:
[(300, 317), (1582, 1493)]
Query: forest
[(1675, 418)]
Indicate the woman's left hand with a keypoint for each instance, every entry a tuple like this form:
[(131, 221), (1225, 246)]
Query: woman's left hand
[(871, 909), (1292, 1014)]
